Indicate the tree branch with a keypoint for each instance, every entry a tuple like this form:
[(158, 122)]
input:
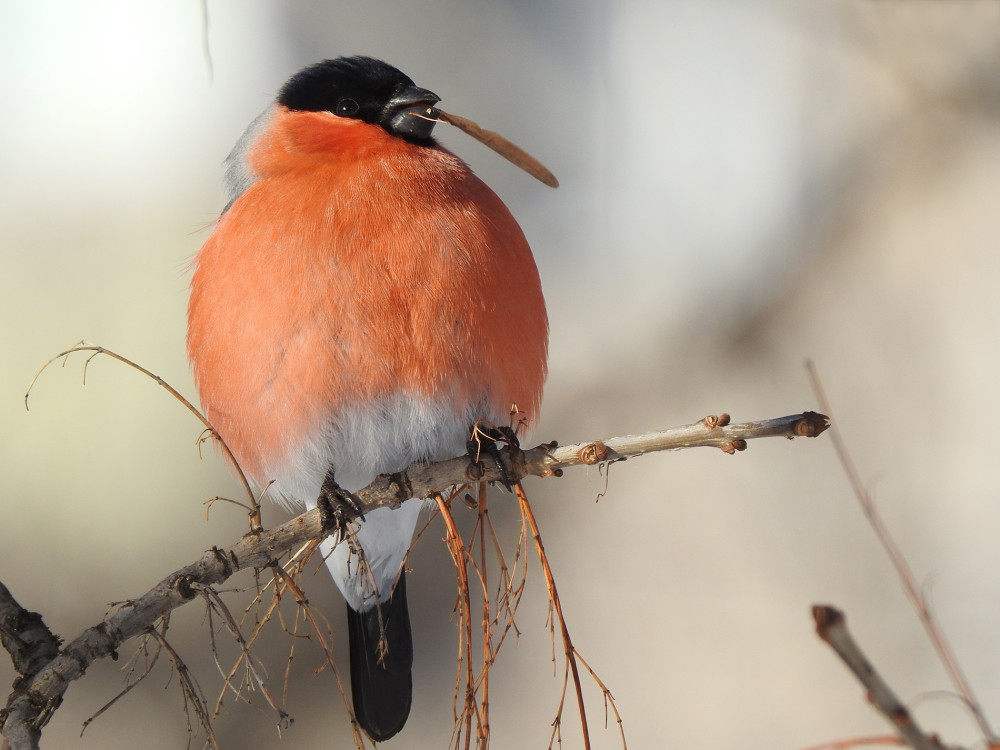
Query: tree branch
[(831, 626), (906, 576), (548, 459), (31, 646), (46, 672)]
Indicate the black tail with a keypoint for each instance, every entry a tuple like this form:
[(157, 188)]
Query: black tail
[(380, 677)]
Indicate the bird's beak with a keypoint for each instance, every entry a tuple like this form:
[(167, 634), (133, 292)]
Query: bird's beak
[(411, 113)]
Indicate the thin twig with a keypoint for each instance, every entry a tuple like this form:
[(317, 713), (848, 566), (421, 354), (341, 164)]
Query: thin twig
[(609, 699), (463, 606), (852, 742), (83, 346), (550, 584), (310, 616), (259, 624), (130, 683), (216, 604), (482, 521), (193, 696)]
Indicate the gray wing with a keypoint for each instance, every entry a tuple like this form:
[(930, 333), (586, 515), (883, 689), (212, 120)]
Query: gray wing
[(238, 176)]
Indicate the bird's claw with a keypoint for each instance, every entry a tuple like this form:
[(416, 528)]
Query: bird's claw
[(337, 506), (485, 439)]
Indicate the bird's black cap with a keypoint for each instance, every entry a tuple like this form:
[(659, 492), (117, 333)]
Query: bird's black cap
[(365, 89)]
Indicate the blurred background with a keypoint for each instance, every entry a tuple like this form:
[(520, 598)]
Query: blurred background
[(744, 185)]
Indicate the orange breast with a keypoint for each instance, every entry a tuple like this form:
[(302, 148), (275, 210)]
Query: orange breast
[(358, 266)]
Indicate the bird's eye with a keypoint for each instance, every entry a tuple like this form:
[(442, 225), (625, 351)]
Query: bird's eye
[(346, 108)]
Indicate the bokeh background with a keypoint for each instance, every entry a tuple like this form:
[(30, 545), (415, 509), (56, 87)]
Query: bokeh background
[(744, 185)]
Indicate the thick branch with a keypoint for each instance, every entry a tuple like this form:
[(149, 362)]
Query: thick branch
[(37, 696), (26, 638), (31, 646), (39, 692)]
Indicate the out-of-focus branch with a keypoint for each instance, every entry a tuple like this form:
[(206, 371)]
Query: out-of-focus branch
[(831, 626), (47, 673), (905, 573)]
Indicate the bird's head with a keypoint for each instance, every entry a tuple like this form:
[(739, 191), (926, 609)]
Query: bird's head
[(365, 89)]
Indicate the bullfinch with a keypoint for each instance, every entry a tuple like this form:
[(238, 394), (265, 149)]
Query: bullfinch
[(362, 302)]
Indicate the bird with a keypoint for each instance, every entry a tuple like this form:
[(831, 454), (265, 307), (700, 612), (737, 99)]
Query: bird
[(362, 302)]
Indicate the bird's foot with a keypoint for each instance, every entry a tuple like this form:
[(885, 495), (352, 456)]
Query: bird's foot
[(337, 506), (485, 440)]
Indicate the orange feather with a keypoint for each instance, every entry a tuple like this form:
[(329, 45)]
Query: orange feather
[(356, 267)]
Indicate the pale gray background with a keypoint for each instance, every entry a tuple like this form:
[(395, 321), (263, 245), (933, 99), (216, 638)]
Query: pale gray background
[(744, 184)]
